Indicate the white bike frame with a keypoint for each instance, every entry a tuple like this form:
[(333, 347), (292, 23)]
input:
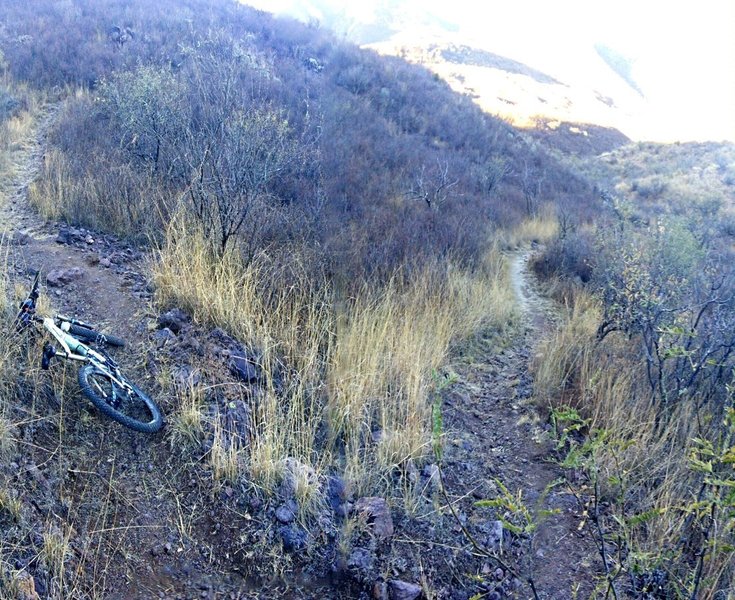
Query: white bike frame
[(73, 349)]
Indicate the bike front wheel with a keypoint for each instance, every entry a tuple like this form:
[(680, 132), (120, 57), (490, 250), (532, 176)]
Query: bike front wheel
[(130, 407), (85, 333)]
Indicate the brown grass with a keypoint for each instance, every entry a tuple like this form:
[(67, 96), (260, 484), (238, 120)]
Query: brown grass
[(358, 370), (539, 229)]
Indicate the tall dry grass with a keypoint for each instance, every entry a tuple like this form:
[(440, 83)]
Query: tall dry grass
[(347, 379), (387, 344), (541, 228)]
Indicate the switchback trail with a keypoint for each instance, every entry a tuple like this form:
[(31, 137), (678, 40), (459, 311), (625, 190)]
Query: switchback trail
[(497, 437)]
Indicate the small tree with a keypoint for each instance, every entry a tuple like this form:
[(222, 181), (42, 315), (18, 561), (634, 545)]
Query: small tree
[(146, 107), (235, 147)]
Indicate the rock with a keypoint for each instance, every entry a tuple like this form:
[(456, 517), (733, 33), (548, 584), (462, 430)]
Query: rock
[(238, 421), (293, 537), (297, 474), (286, 512), (25, 586), (163, 337), (89, 239), (402, 590), (175, 319), (380, 590), (220, 336), (20, 239), (361, 560), (432, 473), (337, 492), (494, 540), (184, 377), (244, 369), (62, 277), (105, 262), (68, 235), (376, 513)]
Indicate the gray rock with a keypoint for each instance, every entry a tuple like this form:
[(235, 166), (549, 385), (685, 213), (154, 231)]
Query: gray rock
[(376, 513), (175, 319), (294, 538), (361, 560), (184, 376), (494, 540), (402, 590), (237, 421), (20, 239), (62, 277), (26, 587), (163, 337), (105, 262), (432, 472), (242, 367), (380, 590), (337, 492), (220, 336), (69, 235), (286, 512)]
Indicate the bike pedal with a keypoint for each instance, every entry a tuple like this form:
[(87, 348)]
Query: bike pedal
[(48, 353)]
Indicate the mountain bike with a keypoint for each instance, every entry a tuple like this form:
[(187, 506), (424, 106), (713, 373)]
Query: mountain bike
[(100, 378)]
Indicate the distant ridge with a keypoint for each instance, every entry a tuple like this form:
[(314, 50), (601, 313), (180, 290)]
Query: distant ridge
[(465, 55)]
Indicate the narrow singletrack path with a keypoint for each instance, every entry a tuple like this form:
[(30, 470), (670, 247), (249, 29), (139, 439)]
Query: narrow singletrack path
[(497, 434)]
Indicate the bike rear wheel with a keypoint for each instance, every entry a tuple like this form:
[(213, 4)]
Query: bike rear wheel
[(132, 408), (85, 333)]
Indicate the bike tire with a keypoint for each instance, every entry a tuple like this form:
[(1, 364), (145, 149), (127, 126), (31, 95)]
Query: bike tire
[(98, 387), (85, 333)]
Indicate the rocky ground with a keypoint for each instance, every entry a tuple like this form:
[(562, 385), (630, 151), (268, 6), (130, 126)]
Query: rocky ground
[(139, 516)]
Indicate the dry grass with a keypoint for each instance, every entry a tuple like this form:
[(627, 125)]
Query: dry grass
[(637, 445), (387, 345), (55, 191), (225, 456), (348, 379), (540, 229), (186, 426)]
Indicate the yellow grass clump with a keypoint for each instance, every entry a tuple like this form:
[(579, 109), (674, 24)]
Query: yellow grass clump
[(347, 379), (541, 228)]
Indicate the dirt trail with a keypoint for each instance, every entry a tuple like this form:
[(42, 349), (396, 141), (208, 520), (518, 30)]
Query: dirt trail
[(115, 488), (102, 290), (490, 414)]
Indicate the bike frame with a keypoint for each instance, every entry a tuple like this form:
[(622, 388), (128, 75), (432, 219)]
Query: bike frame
[(73, 349)]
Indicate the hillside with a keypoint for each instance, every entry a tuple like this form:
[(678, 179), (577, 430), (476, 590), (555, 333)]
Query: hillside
[(517, 92)]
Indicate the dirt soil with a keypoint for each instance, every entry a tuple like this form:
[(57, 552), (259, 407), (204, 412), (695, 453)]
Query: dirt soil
[(143, 520)]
